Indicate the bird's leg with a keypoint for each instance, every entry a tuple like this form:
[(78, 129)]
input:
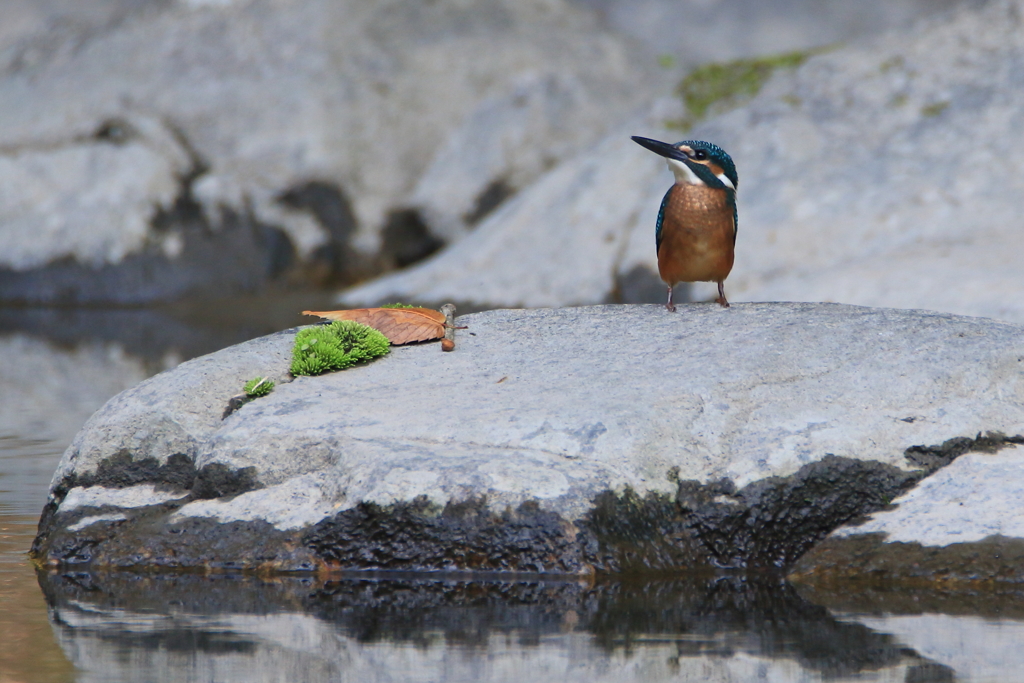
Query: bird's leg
[(669, 305), (722, 301)]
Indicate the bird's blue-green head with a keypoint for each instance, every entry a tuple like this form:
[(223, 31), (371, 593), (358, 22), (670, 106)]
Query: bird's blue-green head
[(695, 162)]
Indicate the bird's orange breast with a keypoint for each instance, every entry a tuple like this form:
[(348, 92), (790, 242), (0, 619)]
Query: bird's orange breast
[(697, 235)]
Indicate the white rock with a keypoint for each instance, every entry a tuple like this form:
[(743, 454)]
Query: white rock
[(52, 207), (96, 519), (128, 497), (298, 503)]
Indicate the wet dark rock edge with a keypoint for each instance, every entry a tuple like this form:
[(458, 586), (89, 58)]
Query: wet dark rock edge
[(142, 539), (769, 524), (871, 560), (868, 595)]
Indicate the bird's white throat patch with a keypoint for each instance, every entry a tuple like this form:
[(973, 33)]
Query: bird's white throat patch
[(683, 173)]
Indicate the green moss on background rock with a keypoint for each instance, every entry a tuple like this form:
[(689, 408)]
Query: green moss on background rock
[(336, 346), (397, 306), (715, 87), (934, 109), (258, 387)]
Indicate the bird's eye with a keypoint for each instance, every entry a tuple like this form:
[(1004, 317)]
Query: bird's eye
[(700, 155)]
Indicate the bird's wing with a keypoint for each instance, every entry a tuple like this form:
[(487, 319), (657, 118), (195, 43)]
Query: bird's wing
[(735, 215), (661, 220)]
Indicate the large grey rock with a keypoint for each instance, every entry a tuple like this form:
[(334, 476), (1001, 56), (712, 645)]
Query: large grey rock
[(235, 140), (552, 440), (852, 189)]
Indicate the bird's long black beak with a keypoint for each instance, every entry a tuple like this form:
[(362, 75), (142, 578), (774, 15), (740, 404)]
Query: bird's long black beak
[(663, 148)]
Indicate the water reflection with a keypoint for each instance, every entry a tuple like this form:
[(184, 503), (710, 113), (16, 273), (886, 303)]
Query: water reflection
[(974, 631), (27, 648), (162, 336), (125, 627)]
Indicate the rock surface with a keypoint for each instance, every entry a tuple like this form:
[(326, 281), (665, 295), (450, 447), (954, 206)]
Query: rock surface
[(609, 438), (195, 144), (849, 190)]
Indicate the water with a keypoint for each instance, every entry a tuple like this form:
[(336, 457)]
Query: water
[(436, 629), (57, 367)]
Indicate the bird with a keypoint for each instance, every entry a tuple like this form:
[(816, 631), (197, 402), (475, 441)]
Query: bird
[(695, 235)]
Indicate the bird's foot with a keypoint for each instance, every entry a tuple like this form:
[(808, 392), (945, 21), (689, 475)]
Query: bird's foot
[(668, 304), (721, 300)]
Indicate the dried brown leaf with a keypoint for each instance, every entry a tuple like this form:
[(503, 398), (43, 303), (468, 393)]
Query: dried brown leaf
[(399, 325)]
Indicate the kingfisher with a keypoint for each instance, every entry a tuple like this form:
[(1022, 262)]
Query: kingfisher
[(696, 230)]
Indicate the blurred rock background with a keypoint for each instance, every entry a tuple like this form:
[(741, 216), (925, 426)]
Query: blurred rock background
[(153, 151), (188, 146)]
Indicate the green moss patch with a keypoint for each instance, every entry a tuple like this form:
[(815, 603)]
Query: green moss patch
[(934, 109), (258, 387), (719, 86), (339, 345)]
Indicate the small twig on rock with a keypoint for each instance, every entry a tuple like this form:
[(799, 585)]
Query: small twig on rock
[(448, 343), (234, 403), (254, 388)]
